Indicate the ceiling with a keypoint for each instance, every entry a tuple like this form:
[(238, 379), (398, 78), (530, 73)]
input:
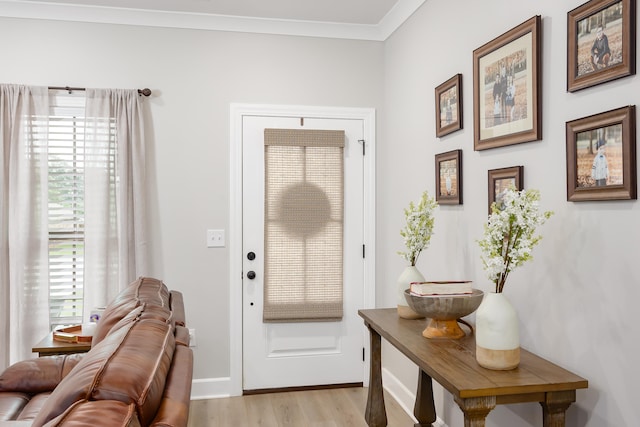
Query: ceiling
[(352, 19)]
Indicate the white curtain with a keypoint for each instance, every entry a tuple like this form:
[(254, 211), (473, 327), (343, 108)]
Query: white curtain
[(115, 176), (115, 242), (24, 291)]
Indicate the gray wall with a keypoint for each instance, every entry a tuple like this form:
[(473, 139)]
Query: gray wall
[(577, 299), (194, 75)]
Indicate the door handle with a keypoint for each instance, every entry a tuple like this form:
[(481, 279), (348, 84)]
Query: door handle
[(251, 256), (251, 275)]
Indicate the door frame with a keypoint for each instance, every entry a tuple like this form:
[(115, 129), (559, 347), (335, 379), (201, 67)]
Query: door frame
[(237, 113)]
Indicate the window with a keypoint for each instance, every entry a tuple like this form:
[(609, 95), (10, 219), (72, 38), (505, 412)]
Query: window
[(70, 156), (65, 148)]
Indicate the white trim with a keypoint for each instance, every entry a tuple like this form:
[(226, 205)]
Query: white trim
[(203, 21), (210, 388), (405, 398), (237, 112)]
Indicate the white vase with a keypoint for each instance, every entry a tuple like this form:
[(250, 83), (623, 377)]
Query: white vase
[(409, 275), (497, 333)]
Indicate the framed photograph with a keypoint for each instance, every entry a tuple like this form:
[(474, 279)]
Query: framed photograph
[(601, 37), (449, 178), (507, 74), (601, 156), (502, 179), (449, 106)]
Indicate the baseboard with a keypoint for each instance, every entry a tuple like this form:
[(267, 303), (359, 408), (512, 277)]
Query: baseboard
[(405, 398), (210, 388)]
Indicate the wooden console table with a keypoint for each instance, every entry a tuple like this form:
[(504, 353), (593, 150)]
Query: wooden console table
[(452, 364)]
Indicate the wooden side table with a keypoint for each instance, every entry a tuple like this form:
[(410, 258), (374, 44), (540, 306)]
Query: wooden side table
[(452, 363), (50, 347)]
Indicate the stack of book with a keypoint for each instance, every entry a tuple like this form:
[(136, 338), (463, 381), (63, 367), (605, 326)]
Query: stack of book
[(440, 288)]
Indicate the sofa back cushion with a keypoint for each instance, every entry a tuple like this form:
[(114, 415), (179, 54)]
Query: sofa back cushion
[(143, 291), (129, 365)]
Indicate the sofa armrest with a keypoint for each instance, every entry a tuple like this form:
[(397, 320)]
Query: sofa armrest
[(177, 308), (38, 375), (174, 408)]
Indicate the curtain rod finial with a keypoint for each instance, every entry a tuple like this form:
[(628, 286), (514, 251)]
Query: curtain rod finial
[(145, 91)]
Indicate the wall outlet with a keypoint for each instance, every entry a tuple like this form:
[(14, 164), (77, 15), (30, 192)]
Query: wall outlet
[(192, 337), (215, 238)]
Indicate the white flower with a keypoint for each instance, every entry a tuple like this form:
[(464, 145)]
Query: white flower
[(509, 234), (419, 228)]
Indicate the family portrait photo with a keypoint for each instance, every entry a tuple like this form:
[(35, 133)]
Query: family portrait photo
[(449, 106), (600, 40), (449, 178), (507, 88), (599, 157)]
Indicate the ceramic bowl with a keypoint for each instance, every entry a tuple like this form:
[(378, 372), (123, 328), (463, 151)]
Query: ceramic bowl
[(443, 312)]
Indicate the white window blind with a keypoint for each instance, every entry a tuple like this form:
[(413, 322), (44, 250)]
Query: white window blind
[(65, 147), (67, 161)]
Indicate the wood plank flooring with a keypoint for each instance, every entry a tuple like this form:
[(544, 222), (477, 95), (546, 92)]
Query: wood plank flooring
[(343, 407)]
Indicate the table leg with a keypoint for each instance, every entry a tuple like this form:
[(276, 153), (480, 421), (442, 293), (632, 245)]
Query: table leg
[(476, 409), (424, 409), (555, 406), (375, 414)]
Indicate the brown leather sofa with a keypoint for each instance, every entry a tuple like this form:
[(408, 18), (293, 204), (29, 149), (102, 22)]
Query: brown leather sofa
[(137, 373)]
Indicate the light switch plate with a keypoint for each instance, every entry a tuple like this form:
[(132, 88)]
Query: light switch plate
[(215, 238)]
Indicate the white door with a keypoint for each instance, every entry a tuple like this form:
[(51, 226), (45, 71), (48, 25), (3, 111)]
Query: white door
[(279, 355)]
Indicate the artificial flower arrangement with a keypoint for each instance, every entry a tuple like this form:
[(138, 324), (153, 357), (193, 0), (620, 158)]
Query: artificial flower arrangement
[(419, 227), (509, 233)]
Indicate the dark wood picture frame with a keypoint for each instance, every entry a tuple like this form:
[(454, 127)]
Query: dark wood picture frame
[(449, 178), (507, 88), (449, 106), (601, 38), (503, 178), (611, 134)]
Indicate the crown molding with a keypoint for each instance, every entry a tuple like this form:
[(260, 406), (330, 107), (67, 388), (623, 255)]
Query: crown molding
[(200, 21)]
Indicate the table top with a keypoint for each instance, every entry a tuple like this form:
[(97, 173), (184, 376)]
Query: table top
[(452, 363), (50, 346)]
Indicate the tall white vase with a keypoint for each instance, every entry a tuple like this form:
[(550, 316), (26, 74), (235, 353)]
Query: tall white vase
[(409, 275), (497, 333)]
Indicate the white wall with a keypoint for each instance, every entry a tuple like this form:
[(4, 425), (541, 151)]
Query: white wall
[(194, 75), (577, 299)]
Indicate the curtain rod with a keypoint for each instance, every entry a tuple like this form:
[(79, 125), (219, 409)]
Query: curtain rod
[(145, 91)]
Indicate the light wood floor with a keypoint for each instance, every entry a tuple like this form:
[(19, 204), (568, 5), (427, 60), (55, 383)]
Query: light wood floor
[(317, 408)]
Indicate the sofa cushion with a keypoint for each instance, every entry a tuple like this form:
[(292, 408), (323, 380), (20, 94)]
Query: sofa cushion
[(110, 413), (129, 365), (31, 409), (144, 290), (11, 404), (38, 375)]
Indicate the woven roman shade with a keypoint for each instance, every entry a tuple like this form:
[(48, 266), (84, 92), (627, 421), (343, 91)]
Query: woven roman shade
[(304, 204)]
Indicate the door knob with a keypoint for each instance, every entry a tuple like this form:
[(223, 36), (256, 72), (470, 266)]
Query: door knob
[(251, 275), (251, 256)]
